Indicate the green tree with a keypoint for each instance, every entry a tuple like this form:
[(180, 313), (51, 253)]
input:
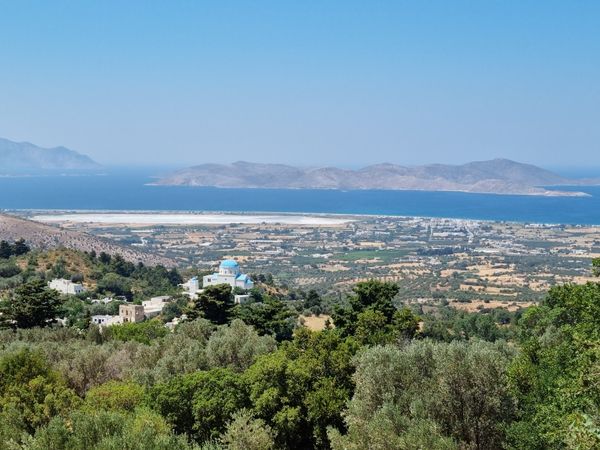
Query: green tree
[(59, 269), (245, 432), (76, 312), (31, 393), (104, 258), (312, 300), (200, 404), (214, 303), (237, 346), (5, 250), (20, 247), (271, 316), (429, 395), (108, 430), (144, 332), (115, 396), (372, 328), (405, 324), (556, 375), (115, 284), (302, 388), (596, 267), (374, 295), (9, 269), (31, 305)]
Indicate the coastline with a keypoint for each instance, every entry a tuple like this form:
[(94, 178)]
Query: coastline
[(169, 218), (536, 192)]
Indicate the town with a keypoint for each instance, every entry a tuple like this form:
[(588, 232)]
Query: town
[(468, 263)]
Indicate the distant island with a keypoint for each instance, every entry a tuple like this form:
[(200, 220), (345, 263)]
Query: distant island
[(24, 157), (497, 176)]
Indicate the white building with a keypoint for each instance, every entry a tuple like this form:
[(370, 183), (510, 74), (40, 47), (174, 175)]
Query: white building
[(66, 286), (106, 320), (103, 301), (176, 321), (155, 305), (191, 287), (229, 273), (240, 299)]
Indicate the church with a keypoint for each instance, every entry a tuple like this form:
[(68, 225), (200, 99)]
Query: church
[(229, 273)]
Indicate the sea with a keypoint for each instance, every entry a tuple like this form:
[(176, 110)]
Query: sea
[(129, 190)]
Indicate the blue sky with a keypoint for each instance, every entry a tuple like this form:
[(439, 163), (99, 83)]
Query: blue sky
[(313, 82)]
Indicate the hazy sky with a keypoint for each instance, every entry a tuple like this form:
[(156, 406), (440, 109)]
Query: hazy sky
[(305, 82)]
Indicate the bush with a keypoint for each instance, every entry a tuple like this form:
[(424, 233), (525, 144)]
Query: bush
[(144, 332)]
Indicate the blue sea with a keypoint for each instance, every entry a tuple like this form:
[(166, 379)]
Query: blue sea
[(128, 190)]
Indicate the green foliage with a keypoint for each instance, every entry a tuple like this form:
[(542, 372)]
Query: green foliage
[(108, 430), (271, 316), (226, 383), (143, 332), (450, 324), (9, 269), (557, 375), (214, 303), (114, 283), (31, 394), (115, 396), (172, 310), (429, 395), (313, 302), (5, 250), (18, 248), (58, 269), (245, 432), (596, 267), (371, 328), (373, 295), (31, 305), (237, 346), (302, 388), (405, 324), (76, 313), (200, 404), (117, 276), (183, 351)]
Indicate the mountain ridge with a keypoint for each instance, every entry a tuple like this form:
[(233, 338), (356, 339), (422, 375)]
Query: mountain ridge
[(496, 176), (25, 156), (44, 236)]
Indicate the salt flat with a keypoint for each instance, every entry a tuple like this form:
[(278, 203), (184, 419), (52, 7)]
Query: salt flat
[(189, 219)]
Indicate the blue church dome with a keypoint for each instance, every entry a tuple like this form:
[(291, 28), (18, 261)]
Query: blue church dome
[(229, 264)]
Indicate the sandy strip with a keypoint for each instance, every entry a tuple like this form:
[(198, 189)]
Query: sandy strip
[(188, 219)]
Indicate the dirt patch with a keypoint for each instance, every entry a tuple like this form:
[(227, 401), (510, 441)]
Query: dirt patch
[(476, 305), (315, 323)]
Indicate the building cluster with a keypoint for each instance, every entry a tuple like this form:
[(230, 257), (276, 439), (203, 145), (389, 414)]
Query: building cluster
[(130, 313), (229, 273)]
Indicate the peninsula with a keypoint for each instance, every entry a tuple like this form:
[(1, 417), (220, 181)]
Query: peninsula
[(24, 157)]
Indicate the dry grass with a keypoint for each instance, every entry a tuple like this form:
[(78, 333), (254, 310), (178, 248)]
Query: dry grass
[(476, 305), (315, 323)]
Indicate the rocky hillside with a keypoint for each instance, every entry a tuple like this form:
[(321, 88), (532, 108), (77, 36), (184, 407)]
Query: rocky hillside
[(24, 156), (498, 176), (43, 236)]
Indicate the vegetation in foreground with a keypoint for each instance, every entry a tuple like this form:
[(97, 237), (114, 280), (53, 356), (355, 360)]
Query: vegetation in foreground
[(243, 378)]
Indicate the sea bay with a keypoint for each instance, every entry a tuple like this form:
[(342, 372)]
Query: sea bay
[(129, 191)]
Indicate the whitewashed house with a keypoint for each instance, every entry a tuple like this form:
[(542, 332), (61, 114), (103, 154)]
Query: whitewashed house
[(66, 286), (155, 305)]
